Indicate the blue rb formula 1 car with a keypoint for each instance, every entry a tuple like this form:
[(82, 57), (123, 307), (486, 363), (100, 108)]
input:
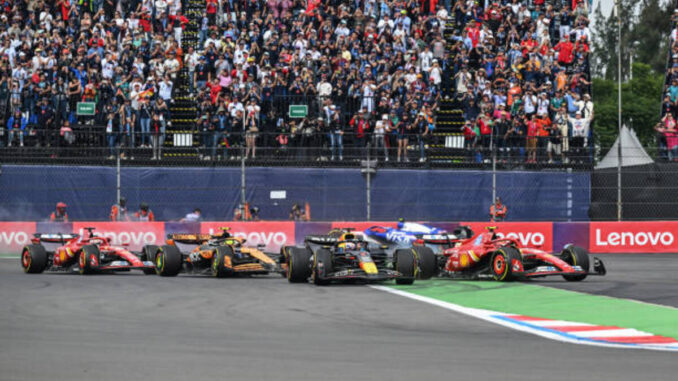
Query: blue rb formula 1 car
[(413, 233)]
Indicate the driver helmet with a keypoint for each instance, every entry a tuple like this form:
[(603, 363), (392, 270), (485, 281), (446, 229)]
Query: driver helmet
[(349, 246), (61, 207), (401, 222), (143, 206)]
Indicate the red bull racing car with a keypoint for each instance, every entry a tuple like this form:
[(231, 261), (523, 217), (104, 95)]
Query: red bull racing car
[(344, 256), (87, 255), (487, 256)]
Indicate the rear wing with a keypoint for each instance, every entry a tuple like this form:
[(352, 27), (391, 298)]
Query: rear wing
[(189, 238), (439, 239), (321, 239), (55, 237)]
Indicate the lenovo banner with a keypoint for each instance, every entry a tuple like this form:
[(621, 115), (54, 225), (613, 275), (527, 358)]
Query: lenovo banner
[(14, 236), (134, 235), (527, 234), (633, 237), (272, 234)]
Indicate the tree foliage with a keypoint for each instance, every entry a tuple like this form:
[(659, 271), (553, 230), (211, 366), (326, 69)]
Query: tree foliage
[(646, 26), (641, 102)]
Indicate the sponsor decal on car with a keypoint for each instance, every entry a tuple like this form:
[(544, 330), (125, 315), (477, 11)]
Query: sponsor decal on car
[(527, 234), (133, 234), (633, 237), (272, 234)]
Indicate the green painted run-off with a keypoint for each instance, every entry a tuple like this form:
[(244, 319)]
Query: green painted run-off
[(551, 303)]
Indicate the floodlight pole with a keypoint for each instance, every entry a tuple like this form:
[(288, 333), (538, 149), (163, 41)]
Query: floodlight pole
[(619, 114)]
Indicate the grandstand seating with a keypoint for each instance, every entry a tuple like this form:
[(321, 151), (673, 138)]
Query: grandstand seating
[(314, 26)]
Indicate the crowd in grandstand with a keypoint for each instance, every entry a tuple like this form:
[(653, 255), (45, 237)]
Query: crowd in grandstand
[(371, 71), (522, 73), (667, 130), (122, 55)]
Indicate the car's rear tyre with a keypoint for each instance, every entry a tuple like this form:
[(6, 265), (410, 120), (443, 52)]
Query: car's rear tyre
[(501, 263), (284, 260), (426, 259), (406, 264), (34, 259), (148, 253), (168, 261), (576, 256), (219, 256), (89, 259), (322, 266), (299, 265)]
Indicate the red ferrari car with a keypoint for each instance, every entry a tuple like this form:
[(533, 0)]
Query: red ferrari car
[(486, 255), (88, 255)]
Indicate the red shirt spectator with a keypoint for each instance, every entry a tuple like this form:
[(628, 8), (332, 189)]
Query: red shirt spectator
[(564, 49)]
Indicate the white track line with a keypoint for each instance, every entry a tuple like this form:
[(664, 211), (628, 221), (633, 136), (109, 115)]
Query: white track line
[(503, 319)]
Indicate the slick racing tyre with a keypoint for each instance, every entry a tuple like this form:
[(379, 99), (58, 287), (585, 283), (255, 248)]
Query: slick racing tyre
[(219, 270), (284, 260), (501, 263), (299, 265), (168, 261), (89, 259), (322, 265), (406, 264), (426, 259), (34, 259), (576, 256), (148, 253)]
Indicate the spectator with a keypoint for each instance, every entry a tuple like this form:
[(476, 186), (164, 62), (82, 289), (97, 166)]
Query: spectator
[(144, 213), (580, 132), (195, 216), (498, 211), (155, 131), (299, 214), (403, 130), (59, 215), (360, 126), (16, 125), (378, 135), (251, 138), (119, 211)]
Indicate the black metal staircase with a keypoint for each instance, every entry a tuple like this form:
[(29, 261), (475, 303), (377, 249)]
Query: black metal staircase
[(183, 132), (448, 135)]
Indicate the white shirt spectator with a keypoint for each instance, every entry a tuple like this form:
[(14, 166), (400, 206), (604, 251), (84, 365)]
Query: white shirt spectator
[(192, 61), (160, 7), (425, 59), (383, 23), (324, 89), (171, 65), (234, 107), (342, 30), (542, 106), (530, 103), (580, 32), (165, 89), (436, 75), (107, 68)]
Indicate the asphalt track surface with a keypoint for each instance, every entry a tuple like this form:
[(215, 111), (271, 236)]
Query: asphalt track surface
[(136, 327), (651, 278)]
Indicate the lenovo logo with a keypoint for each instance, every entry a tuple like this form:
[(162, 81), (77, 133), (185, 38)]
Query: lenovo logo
[(627, 238), (526, 239), (633, 237)]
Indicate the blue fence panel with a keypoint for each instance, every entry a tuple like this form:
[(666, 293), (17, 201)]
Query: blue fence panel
[(31, 192)]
